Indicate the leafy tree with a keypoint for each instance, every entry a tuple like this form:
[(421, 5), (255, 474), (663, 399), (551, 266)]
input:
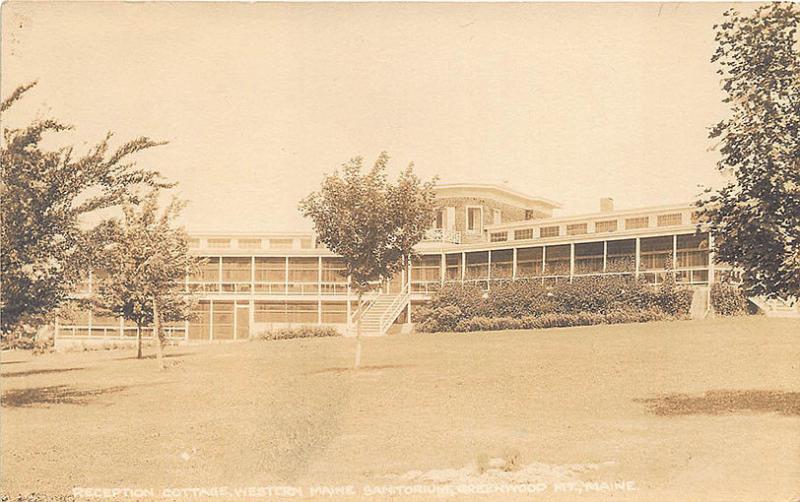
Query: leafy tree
[(45, 194), (371, 223), (148, 260), (755, 217)]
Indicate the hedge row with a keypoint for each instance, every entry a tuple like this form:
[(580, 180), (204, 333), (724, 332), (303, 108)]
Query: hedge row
[(299, 332), (585, 300), (558, 320)]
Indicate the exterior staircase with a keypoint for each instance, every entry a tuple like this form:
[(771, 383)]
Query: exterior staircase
[(378, 315), (777, 307)]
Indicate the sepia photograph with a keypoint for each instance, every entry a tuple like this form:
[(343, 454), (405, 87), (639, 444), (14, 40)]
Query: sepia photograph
[(403, 251)]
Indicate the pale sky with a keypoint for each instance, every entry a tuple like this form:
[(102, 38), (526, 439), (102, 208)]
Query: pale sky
[(572, 102)]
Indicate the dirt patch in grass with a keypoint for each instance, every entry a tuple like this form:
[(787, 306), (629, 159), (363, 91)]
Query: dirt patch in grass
[(12, 374), (53, 394), (533, 473), (720, 402), (362, 368), (153, 356)]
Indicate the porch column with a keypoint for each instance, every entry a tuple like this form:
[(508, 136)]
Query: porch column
[(349, 309), (286, 277), (219, 269), (489, 272), (211, 319), (514, 265), (442, 270), (605, 256), (637, 258), (711, 258), (571, 260), (544, 261), (319, 290), (463, 266), (674, 255), (408, 308), (252, 275)]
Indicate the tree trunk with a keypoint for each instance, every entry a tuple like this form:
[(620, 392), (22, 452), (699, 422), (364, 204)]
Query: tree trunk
[(138, 341), (157, 335), (357, 363)]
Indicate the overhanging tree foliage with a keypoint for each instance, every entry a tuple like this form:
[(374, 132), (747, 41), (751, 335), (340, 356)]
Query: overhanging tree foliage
[(755, 218), (45, 194), (147, 259), (371, 223)]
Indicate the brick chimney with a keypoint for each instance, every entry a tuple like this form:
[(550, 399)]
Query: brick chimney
[(606, 205)]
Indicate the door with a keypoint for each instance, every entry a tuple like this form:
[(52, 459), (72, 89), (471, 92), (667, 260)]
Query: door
[(242, 322)]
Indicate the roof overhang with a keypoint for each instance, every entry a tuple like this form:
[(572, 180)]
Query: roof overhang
[(488, 190)]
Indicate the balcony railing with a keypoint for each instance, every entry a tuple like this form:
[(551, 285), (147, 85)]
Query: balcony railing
[(443, 235)]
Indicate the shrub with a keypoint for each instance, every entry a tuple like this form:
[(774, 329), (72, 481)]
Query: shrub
[(467, 297), (591, 294), (673, 300), (517, 299), (299, 332), (489, 324), (728, 299), (527, 304), (561, 320)]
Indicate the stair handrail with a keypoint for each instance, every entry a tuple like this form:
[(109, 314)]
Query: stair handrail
[(398, 303), (360, 311)]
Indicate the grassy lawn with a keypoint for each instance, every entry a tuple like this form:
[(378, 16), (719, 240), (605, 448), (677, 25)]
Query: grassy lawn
[(690, 410)]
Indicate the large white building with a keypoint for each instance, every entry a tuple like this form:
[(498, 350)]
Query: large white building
[(482, 234)]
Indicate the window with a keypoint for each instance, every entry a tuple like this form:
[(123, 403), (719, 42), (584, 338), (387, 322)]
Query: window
[(549, 231), (606, 226), (557, 260), (474, 219), (270, 269), (528, 214), (250, 243), (222, 318), (525, 233), (208, 270), (303, 269), (498, 236), (577, 229), (219, 243), (502, 264), (589, 257), (236, 269), (655, 253), (439, 221), (200, 322), (529, 262), (280, 243), (477, 265), (453, 264), (621, 256), (639, 222), (692, 250), (426, 268), (665, 220), (497, 216)]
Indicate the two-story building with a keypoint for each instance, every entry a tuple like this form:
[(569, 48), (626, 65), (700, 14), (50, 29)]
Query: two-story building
[(482, 233)]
